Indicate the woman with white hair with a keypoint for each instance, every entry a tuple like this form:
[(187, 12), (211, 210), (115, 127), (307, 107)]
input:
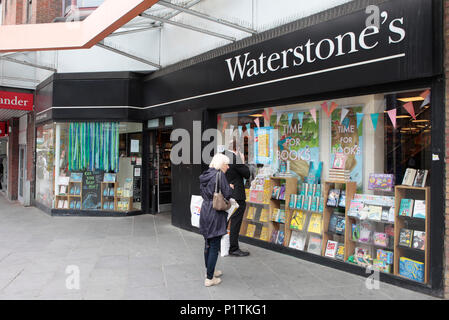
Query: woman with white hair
[(213, 224)]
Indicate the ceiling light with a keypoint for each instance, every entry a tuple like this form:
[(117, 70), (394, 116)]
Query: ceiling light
[(416, 121), (256, 115), (411, 99), (403, 117)]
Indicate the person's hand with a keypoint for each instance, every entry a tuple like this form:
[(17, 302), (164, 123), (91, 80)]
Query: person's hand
[(232, 186)]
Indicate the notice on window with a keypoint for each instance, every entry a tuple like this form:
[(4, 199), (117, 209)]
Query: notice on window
[(134, 146)]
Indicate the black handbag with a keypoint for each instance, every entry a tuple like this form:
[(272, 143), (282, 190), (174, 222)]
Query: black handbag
[(219, 203)]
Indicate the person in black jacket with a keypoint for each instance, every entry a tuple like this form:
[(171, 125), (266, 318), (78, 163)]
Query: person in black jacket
[(235, 175), (213, 224)]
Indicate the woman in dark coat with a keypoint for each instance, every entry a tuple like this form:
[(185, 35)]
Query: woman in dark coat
[(213, 224)]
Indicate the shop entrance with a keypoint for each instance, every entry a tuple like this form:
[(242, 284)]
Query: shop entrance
[(160, 177)]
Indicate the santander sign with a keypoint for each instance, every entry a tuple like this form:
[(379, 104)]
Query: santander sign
[(16, 101)]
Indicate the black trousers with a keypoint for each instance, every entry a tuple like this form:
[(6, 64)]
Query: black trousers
[(236, 223)]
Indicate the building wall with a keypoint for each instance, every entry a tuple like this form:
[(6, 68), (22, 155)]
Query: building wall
[(446, 63), (43, 11)]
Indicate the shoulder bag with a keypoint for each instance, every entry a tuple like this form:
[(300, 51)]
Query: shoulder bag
[(219, 202)]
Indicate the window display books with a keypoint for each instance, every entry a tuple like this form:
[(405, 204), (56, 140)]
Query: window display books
[(332, 199), (366, 230), (109, 177), (409, 177), (406, 207), (420, 179), (340, 255), (411, 269), (380, 265), (419, 209), (264, 214), (315, 224), (381, 182), (274, 236), (297, 240), (339, 161), (405, 237), (250, 229), (355, 232), (314, 245), (264, 234), (331, 249), (355, 207), (280, 238), (375, 213), (251, 213), (386, 256), (419, 240), (342, 200), (333, 223), (380, 239), (298, 220), (340, 226)]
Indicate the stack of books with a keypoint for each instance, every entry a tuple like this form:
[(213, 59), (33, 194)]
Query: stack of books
[(339, 175)]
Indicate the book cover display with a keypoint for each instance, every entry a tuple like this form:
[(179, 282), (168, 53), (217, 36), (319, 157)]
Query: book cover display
[(340, 255), (405, 237), (298, 220), (331, 249), (381, 182), (340, 226), (419, 240), (333, 197), (406, 207), (411, 269), (315, 224), (298, 240), (419, 209), (314, 245), (264, 234)]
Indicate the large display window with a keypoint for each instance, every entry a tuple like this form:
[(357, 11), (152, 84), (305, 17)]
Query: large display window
[(93, 166), (346, 179)]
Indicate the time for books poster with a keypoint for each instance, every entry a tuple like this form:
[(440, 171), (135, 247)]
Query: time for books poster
[(298, 144), (348, 139)]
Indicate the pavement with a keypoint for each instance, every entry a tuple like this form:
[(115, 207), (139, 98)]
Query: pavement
[(146, 258)]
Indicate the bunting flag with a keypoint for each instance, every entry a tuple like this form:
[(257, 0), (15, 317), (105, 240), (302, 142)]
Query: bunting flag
[(346, 122), (279, 115), (267, 114), (374, 120), (313, 113), (410, 109), (218, 118), (290, 119), (240, 131), (248, 128), (426, 95), (344, 113), (359, 118), (257, 121), (333, 107), (325, 108), (392, 114), (225, 125), (231, 128), (301, 118)]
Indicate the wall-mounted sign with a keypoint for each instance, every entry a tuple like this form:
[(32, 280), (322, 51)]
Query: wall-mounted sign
[(154, 123), (16, 101)]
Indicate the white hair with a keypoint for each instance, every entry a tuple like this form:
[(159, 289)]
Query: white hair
[(218, 161)]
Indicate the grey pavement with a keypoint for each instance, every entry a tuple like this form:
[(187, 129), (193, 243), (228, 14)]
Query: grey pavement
[(145, 257)]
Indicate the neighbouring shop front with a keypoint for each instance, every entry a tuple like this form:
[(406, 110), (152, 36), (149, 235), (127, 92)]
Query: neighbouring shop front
[(341, 120), (343, 124)]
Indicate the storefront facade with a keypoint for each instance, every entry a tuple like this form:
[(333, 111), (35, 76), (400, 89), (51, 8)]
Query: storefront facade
[(338, 84)]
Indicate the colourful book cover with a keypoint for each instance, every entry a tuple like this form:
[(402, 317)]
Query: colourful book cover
[(280, 238), (406, 207), (264, 215), (332, 199), (355, 207), (405, 237), (298, 220), (375, 213), (340, 226), (381, 182), (250, 229), (299, 202), (419, 240), (251, 212), (274, 236), (297, 240), (342, 199), (306, 203), (419, 209), (380, 239), (366, 230), (331, 249), (315, 223), (314, 245), (333, 223), (380, 265), (340, 255), (411, 269), (355, 232), (385, 255), (264, 234)]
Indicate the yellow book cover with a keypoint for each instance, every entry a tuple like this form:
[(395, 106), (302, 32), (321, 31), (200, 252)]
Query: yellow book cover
[(250, 229), (298, 220), (315, 223), (264, 234), (264, 215), (250, 214), (274, 215)]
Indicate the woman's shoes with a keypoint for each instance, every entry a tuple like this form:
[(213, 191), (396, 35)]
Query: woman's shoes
[(212, 282), (217, 273)]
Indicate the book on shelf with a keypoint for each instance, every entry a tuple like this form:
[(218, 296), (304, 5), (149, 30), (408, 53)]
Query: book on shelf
[(331, 249), (333, 223), (340, 254), (315, 224), (342, 199), (264, 234), (419, 209), (251, 213), (250, 229), (362, 256), (389, 230), (380, 265), (385, 213), (375, 213), (274, 235), (420, 179), (355, 232), (306, 203), (419, 240), (314, 245), (385, 255), (298, 220), (409, 177), (380, 239), (406, 208), (339, 161), (340, 226), (411, 269), (318, 191), (366, 231), (66, 204), (332, 199), (264, 215), (314, 204), (381, 182), (354, 208), (292, 202), (297, 240), (299, 202), (280, 237), (405, 237)]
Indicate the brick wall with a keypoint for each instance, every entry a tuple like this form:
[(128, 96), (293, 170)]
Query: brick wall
[(43, 11), (13, 160)]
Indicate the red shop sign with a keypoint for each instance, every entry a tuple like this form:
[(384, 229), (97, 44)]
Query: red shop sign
[(16, 101), (3, 129)]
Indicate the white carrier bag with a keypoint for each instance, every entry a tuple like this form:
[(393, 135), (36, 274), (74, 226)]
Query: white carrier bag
[(195, 210)]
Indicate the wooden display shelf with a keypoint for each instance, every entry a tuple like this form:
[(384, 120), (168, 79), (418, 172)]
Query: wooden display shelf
[(350, 189), (108, 198), (416, 193), (75, 197)]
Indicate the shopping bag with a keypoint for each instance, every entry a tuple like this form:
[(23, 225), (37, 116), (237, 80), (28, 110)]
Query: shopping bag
[(195, 209), (224, 245), (233, 208)]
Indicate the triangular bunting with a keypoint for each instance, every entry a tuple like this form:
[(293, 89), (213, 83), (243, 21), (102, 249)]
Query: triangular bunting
[(257, 121), (290, 119), (392, 114), (218, 118), (410, 109), (374, 120), (325, 108), (240, 131), (313, 113), (279, 115), (426, 95), (301, 118), (344, 113), (248, 128), (359, 118), (332, 109), (346, 122), (225, 125)]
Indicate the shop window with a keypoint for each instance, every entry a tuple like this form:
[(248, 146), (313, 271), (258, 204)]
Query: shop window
[(346, 179), (97, 166), (45, 155)]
